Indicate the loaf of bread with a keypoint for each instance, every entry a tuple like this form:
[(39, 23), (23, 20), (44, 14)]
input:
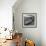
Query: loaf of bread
[(29, 43)]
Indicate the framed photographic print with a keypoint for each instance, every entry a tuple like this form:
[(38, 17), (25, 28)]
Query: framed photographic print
[(29, 20)]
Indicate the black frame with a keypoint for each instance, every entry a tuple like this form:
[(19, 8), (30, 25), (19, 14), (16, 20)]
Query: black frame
[(31, 14)]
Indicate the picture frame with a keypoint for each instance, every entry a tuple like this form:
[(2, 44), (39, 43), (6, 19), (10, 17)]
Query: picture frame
[(29, 20)]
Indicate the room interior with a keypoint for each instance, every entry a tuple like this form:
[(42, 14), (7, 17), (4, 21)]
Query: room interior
[(22, 23)]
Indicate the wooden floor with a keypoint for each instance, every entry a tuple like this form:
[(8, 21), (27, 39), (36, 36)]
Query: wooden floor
[(9, 43)]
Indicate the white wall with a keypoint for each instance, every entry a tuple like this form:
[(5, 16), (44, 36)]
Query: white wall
[(28, 6), (43, 22), (31, 6), (6, 13)]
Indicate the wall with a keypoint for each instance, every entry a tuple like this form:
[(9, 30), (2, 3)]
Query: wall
[(43, 22), (28, 6), (6, 13)]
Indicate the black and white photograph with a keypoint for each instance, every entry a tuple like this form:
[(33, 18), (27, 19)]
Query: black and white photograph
[(29, 20)]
